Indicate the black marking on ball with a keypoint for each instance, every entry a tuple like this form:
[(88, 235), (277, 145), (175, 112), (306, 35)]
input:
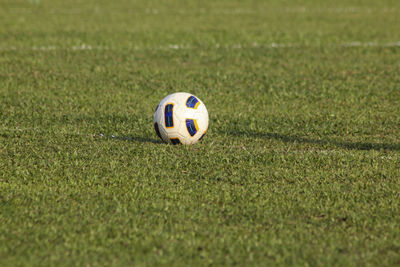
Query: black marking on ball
[(175, 141)]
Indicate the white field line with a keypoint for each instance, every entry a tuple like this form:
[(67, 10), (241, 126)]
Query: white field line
[(221, 11), (371, 44), (242, 11), (322, 152), (84, 47)]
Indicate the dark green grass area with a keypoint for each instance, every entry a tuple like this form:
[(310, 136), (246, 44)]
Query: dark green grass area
[(300, 166)]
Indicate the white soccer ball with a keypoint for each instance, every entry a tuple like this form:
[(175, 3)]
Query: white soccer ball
[(181, 118)]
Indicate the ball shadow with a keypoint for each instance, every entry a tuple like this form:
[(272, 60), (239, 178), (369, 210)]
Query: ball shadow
[(298, 139)]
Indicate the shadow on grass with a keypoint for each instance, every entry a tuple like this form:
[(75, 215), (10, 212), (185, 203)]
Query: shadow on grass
[(131, 138), (342, 144)]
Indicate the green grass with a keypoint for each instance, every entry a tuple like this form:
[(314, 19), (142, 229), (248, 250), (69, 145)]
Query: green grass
[(300, 166)]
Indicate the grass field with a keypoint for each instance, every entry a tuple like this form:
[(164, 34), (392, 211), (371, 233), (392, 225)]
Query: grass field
[(300, 166)]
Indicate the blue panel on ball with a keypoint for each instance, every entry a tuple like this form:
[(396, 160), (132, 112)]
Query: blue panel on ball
[(168, 115), (192, 102), (191, 126)]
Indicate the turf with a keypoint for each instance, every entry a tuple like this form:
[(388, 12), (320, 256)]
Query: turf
[(300, 166)]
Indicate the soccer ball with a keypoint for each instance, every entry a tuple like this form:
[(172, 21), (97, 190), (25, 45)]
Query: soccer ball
[(181, 118)]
